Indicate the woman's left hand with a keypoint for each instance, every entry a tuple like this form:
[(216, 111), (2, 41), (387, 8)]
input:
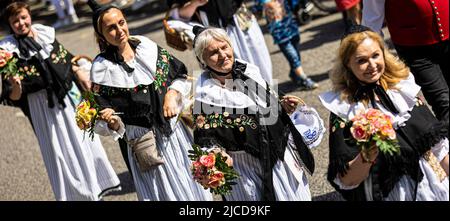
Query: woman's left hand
[(290, 103), (170, 106), (83, 78)]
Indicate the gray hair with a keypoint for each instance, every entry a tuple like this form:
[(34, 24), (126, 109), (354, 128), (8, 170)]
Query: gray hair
[(204, 38)]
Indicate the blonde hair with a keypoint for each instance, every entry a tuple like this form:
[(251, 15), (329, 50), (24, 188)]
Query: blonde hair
[(345, 81), (203, 39)]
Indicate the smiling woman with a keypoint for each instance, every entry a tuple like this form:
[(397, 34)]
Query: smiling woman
[(135, 76), (78, 168), (237, 111), (367, 75)]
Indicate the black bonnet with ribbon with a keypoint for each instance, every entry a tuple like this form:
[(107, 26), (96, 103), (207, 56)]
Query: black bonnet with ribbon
[(97, 11)]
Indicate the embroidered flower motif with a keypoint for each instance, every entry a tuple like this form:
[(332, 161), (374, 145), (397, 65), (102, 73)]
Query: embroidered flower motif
[(28, 71), (162, 69), (96, 88), (110, 91), (419, 101), (60, 56), (224, 120)]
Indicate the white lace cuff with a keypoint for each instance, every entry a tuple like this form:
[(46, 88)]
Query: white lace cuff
[(440, 150), (101, 128), (342, 186)]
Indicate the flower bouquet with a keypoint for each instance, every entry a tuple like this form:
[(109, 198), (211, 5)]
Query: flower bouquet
[(8, 65), (86, 113), (212, 170), (373, 127)]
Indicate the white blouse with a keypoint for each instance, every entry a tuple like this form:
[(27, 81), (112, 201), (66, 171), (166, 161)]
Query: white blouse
[(45, 36)]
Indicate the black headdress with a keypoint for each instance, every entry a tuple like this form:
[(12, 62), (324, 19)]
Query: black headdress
[(197, 30), (97, 11)]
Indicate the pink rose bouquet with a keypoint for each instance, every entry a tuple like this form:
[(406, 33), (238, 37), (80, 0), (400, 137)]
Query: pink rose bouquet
[(8, 65), (212, 170), (373, 127)]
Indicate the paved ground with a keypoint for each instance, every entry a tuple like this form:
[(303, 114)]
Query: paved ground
[(22, 173)]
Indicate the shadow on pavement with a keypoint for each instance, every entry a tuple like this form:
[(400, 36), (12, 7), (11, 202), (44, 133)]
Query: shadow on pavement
[(333, 196), (289, 86), (126, 181)]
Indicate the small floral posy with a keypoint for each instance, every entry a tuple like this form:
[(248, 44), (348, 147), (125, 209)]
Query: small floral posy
[(374, 127), (86, 113), (212, 171), (8, 65), (60, 56)]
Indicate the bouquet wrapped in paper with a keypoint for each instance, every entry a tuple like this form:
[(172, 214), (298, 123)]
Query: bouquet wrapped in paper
[(374, 128), (213, 170)]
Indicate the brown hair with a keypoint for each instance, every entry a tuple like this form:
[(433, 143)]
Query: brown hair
[(101, 41), (14, 9), (345, 81)]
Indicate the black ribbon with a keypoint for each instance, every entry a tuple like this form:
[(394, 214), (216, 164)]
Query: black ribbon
[(112, 54), (368, 92), (272, 147), (27, 44)]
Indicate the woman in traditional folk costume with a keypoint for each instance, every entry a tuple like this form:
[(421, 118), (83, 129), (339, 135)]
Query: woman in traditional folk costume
[(251, 125), (368, 76), (136, 77), (78, 168)]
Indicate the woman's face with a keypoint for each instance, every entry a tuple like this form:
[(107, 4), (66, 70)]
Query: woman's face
[(218, 55), (114, 27), (21, 23), (367, 63)]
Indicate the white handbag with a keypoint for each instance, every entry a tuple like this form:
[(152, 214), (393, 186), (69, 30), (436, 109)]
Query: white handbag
[(309, 124)]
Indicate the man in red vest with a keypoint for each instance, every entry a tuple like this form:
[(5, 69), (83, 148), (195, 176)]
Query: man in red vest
[(420, 32)]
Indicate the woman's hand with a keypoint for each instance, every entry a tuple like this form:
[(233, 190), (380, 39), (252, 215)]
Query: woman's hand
[(83, 78), (229, 160), (171, 101), (370, 155), (290, 103), (108, 116), (114, 123), (16, 84)]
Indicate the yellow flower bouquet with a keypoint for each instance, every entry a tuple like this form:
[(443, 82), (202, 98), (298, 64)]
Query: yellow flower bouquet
[(87, 113)]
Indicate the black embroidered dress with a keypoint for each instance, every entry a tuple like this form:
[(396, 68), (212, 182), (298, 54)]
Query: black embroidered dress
[(269, 156)]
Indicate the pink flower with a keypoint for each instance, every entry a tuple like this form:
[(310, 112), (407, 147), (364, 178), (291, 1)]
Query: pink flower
[(359, 133), (388, 131), (196, 165), (96, 88), (200, 121), (8, 56), (2, 63), (208, 160), (216, 179)]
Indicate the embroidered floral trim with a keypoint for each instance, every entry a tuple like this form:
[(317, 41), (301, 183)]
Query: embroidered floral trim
[(337, 122), (60, 56), (29, 71), (419, 101), (162, 69), (224, 120), (110, 91)]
